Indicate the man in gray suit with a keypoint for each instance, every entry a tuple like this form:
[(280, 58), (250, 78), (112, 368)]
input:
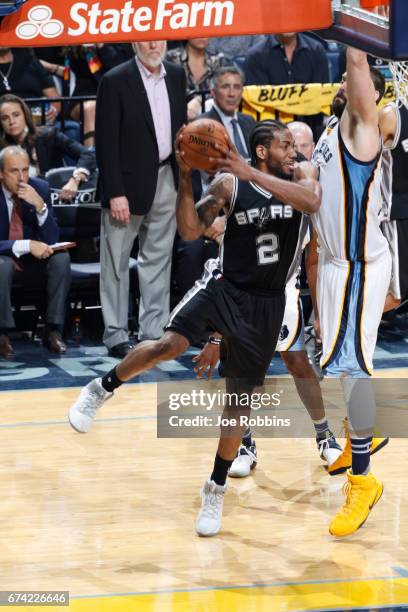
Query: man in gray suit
[(140, 107), (226, 91)]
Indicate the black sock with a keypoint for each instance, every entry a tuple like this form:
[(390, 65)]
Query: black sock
[(110, 381), (322, 428), (247, 437), (360, 448), (220, 471)]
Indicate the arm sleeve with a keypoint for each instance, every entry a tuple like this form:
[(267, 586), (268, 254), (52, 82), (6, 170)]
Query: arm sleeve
[(107, 132), (20, 247), (48, 231), (83, 156)]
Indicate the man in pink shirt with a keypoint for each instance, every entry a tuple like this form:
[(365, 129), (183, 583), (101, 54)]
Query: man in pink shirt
[(141, 105)]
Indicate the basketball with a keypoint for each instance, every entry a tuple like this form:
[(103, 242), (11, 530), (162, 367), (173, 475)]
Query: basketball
[(198, 143)]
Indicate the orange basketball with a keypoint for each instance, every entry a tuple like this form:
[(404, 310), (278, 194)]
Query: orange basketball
[(198, 143)]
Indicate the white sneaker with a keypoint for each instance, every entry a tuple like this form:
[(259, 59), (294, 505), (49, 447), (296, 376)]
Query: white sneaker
[(244, 462), (329, 449), (209, 518), (83, 412)]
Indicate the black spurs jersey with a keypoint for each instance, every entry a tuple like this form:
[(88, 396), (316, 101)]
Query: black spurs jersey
[(395, 167), (263, 240)]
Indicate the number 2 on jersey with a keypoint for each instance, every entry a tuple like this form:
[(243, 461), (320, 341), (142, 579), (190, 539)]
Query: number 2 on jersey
[(267, 249)]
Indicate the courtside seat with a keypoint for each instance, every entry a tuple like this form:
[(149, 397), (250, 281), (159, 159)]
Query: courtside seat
[(80, 222)]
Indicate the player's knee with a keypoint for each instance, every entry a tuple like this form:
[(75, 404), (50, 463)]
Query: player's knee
[(297, 363)]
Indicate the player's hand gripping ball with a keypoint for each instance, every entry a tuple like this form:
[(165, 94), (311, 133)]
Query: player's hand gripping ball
[(198, 143)]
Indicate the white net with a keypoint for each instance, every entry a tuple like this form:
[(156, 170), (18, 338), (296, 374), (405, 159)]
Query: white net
[(399, 71)]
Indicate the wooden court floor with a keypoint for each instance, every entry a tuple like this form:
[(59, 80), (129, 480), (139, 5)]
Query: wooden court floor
[(110, 515)]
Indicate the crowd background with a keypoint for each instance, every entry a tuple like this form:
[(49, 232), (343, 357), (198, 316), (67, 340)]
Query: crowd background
[(48, 106)]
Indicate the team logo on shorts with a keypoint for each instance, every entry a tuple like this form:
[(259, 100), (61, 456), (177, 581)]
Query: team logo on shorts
[(284, 333)]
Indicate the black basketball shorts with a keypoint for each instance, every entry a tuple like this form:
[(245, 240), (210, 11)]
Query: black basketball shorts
[(249, 323), (402, 233)]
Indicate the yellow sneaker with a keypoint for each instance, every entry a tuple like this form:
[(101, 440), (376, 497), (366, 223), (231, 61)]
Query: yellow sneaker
[(343, 462), (362, 493)]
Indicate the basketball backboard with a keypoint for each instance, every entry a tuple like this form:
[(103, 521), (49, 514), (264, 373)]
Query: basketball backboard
[(379, 27)]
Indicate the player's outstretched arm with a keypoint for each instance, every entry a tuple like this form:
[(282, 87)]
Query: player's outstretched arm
[(303, 194), (359, 122)]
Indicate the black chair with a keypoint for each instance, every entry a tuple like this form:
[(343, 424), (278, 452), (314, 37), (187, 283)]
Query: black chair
[(80, 222), (58, 177)]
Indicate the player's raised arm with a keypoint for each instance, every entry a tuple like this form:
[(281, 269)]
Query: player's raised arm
[(359, 122), (388, 124)]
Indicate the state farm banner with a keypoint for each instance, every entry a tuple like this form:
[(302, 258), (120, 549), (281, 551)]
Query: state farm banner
[(66, 22)]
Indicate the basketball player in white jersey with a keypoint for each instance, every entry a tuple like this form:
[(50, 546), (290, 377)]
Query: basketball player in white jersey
[(354, 269)]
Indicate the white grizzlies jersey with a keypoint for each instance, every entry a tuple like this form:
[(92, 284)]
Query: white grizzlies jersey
[(348, 221), (354, 260)]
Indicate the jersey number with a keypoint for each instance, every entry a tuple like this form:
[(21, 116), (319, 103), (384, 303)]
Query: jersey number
[(267, 249)]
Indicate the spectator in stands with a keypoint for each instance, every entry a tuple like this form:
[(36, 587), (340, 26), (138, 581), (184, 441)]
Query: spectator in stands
[(226, 91), (227, 85), (27, 228), (287, 58), (199, 66), (235, 47), (22, 74), (45, 145), (141, 105), (88, 63), (303, 137)]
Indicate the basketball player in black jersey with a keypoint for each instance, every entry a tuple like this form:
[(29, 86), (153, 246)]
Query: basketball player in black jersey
[(243, 299)]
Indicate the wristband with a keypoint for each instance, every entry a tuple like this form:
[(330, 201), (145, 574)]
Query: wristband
[(214, 340)]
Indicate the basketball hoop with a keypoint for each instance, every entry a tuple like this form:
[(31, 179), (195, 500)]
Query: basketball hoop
[(399, 71), (378, 27)]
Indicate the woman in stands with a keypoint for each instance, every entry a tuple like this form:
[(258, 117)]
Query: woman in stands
[(199, 66), (45, 145)]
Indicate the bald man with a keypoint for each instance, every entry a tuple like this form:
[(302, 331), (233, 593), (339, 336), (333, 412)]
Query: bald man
[(27, 228), (303, 137)]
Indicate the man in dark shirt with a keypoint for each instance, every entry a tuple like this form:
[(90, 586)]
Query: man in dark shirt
[(287, 58)]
